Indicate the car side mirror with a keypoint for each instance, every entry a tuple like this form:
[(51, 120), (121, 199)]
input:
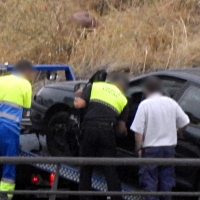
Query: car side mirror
[(79, 86), (52, 75)]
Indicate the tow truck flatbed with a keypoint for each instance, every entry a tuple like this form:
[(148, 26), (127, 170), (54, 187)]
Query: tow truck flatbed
[(72, 173)]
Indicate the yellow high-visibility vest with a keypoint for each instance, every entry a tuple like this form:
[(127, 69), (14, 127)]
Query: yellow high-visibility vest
[(15, 89), (109, 95), (15, 95)]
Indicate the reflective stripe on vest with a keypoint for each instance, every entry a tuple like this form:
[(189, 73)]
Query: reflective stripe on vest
[(9, 116), (108, 94), (14, 105), (7, 180)]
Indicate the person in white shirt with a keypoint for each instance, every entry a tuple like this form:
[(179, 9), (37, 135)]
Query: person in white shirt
[(156, 124)]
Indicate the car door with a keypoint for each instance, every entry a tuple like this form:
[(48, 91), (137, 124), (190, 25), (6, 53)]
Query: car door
[(189, 143)]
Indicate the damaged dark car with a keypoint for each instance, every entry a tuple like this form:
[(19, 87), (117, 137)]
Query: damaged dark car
[(53, 114)]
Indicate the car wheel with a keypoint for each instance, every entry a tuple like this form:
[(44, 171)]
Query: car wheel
[(60, 136)]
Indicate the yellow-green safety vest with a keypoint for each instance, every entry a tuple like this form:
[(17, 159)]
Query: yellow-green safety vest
[(109, 95), (15, 96)]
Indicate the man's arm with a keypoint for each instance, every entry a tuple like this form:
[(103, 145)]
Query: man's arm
[(138, 126), (82, 97), (180, 130), (121, 129), (182, 120), (138, 141)]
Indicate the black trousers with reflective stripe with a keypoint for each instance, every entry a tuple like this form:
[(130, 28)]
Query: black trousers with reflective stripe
[(98, 141)]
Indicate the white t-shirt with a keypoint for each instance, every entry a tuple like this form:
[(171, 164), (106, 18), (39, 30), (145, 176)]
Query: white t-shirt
[(158, 118)]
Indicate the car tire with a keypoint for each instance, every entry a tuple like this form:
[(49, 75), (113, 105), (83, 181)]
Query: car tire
[(60, 137)]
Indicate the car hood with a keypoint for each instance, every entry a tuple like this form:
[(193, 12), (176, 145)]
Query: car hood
[(67, 85)]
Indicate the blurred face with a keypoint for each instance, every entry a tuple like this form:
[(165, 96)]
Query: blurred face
[(146, 92), (29, 75), (120, 85)]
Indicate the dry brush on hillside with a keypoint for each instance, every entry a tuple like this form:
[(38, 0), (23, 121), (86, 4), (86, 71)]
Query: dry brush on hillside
[(134, 35)]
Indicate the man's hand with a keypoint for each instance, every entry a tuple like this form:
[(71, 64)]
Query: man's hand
[(78, 93), (140, 153), (79, 103), (122, 130), (181, 130)]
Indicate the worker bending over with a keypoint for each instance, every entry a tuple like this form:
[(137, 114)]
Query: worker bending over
[(15, 98), (155, 126), (106, 107)]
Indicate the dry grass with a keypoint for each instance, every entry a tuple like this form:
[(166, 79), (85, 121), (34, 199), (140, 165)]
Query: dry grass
[(136, 35)]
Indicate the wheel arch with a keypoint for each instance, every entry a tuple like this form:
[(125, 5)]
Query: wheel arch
[(54, 109), (61, 114)]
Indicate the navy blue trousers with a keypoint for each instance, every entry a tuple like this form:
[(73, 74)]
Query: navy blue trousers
[(9, 146), (157, 178)]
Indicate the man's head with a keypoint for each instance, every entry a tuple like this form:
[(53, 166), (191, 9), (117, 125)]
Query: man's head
[(120, 80), (25, 68), (153, 85)]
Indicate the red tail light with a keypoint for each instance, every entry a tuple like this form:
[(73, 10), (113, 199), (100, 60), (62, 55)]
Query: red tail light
[(51, 179), (35, 179)]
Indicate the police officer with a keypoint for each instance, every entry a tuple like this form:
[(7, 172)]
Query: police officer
[(106, 107), (15, 99)]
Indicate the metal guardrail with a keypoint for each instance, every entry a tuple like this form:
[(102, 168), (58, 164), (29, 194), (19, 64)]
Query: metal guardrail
[(99, 161), (102, 193)]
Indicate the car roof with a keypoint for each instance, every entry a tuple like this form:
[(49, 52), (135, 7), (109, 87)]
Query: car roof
[(189, 74)]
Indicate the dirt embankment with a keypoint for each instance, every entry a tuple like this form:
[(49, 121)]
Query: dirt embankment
[(133, 35)]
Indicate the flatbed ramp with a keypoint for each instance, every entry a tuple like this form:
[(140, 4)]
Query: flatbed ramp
[(72, 173)]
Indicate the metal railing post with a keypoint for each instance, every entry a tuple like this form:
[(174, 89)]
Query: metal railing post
[(55, 182)]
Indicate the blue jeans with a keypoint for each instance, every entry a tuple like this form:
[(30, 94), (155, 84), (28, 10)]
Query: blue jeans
[(9, 146), (157, 178)]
